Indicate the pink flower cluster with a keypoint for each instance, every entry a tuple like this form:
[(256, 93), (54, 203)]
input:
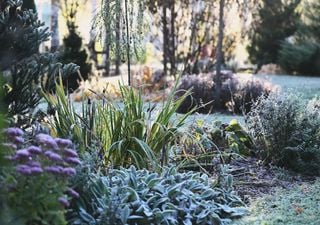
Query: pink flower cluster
[(50, 155)]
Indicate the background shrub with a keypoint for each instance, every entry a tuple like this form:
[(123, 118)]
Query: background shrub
[(301, 55), (300, 58), (237, 92), (286, 132)]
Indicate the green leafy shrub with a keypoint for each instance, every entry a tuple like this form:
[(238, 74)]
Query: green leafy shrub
[(237, 93), (301, 58), (267, 33), (130, 196), (34, 179), (286, 132), (205, 145), (301, 55)]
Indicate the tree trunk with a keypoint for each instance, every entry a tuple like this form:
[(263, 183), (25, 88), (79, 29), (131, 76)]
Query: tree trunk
[(107, 43), (128, 41), (92, 42), (93, 14), (219, 58), (54, 25), (172, 41), (165, 37), (118, 29)]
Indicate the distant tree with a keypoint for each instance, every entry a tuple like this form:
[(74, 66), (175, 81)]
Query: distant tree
[(72, 49), (243, 6), (28, 4), (54, 25), (122, 38), (168, 15), (275, 21), (301, 55), (219, 56)]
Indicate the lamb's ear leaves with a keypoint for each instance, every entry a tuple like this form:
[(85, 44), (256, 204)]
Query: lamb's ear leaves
[(125, 213), (86, 216)]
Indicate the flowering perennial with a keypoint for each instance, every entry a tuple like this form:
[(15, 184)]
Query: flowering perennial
[(52, 157)]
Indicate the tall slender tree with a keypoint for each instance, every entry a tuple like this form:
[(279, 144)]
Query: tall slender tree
[(54, 25), (118, 38), (219, 56), (165, 33), (131, 15)]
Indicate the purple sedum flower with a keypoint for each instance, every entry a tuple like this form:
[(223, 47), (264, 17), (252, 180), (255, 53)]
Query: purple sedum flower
[(54, 169), (43, 137), (47, 141), (72, 160), (23, 169), (33, 164), (63, 143), (73, 193), (18, 140), (22, 153), (69, 171), (70, 152), (64, 201), (36, 170), (14, 131), (34, 150), (53, 156)]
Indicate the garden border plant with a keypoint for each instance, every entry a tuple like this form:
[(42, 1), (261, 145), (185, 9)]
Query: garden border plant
[(34, 178), (286, 131), (110, 125), (130, 196)]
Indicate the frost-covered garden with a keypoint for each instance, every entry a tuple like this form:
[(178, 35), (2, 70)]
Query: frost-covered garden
[(157, 119)]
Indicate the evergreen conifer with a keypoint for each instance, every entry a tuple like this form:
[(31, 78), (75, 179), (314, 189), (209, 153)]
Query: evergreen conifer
[(276, 21), (24, 69)]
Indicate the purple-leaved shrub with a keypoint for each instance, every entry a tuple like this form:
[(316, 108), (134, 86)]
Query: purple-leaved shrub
[(237, 92), (36, 177)]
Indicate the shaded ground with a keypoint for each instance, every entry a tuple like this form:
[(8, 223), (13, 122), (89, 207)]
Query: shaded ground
[(297, 204), (252, 179), (275, 196)]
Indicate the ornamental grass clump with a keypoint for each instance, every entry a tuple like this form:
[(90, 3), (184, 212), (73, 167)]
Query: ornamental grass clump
[(124, 132), (35, 178)]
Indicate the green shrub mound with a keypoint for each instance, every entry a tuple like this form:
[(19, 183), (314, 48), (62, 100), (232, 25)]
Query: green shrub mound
[(237, 93), (287, 132), (301, 54), (130, 196), (203, 145), (301, 58)]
